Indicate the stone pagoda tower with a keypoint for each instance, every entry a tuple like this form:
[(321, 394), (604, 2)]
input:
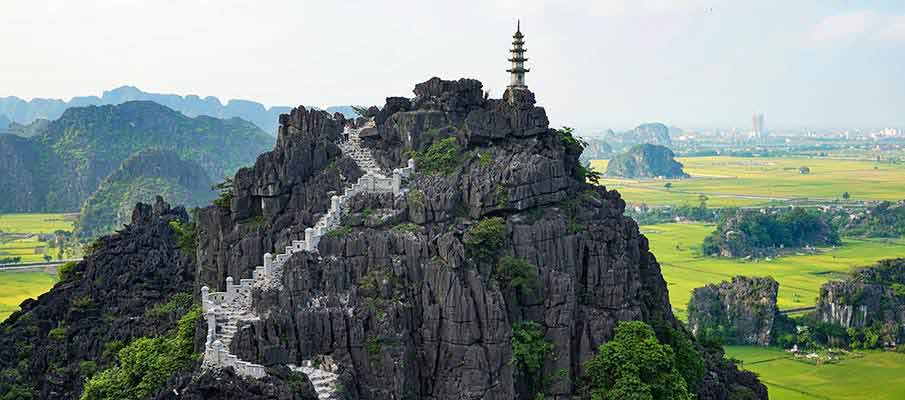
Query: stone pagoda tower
[(517, 73)]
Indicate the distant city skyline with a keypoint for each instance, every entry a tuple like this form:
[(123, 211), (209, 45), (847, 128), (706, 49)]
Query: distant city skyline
[(595, 64)]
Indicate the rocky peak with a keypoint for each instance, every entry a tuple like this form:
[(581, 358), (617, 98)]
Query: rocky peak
[(409, 296), (740, 311)]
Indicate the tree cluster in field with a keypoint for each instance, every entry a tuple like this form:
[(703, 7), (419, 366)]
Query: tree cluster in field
[(658, 215), (763, 233), (885, 219)]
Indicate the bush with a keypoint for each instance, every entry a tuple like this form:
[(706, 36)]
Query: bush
[(516, 273), (146, 364), (634, 365), (58, 333), (486, 238), (441, 158), (186, 236), (339, 232), (407, 227), (67, 270), (225, 191), (178, 304), (529, 347)]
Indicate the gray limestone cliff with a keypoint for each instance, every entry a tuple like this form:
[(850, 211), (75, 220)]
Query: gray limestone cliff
[(646, 161), (740, 311), (408, 298), (873, 295)]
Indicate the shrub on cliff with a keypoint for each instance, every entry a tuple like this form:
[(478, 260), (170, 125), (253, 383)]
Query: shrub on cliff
[(634, 365), (484, 239), (441, 158), (146, 364)]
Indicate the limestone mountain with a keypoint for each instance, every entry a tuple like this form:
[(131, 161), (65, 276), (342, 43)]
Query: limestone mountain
[(4, 122), (652, 133), (53, 344), (740, 311), (489, 270), (425, 293), (25, 112), (872, 297), (140, 178), (646, 161), (63, 164)]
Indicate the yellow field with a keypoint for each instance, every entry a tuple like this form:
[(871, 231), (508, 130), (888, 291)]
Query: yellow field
[(18, 286), (736, 181), (677, 246), (36, 223)]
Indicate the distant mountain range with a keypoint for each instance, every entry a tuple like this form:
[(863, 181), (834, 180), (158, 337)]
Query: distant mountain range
[(66, 160), (17, 110)]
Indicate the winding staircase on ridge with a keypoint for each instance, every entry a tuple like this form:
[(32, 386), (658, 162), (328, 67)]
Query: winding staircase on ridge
[(224, 310)]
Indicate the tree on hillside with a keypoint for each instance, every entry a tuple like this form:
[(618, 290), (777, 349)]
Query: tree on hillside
[(635, 366), (846, 196), (668, 185)]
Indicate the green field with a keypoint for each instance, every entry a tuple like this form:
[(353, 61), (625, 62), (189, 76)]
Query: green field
[(36, 223), (676, 247), (15, 287), (19, 235), (737, 181), (874, 375)]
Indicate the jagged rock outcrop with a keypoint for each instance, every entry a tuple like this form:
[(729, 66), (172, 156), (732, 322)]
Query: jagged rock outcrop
[(226, 385), (646, 161), (46, 346), (739, 312), (404, 299), (873, 295)]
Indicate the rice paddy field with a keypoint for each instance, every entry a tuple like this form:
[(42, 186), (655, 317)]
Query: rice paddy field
[(738, 181), (19, 234), (20, 237), (677, 248), (15, 287), (875, 375)]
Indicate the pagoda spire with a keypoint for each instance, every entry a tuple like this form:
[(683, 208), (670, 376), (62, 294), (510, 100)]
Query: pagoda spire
[(517, 58)]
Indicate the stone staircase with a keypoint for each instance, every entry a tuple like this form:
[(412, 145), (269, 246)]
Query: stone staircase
[(225, 310)]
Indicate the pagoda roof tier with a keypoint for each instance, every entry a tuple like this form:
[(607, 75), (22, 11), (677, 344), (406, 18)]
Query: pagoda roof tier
[(518, 42), (518, 35), (518, 50), (518, 70), (518, 59)]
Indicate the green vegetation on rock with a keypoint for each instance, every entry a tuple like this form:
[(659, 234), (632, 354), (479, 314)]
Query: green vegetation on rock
[(146, 364), (441, 158), (485, 239), (634, 365)]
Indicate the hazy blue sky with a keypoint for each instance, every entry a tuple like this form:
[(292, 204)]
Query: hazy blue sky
[(594, 63)]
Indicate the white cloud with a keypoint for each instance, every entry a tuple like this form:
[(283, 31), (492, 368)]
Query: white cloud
[(836, 27), (859, 25), (894, 30)]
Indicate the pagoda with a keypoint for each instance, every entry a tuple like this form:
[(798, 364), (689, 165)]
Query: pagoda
[(517, 73)]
